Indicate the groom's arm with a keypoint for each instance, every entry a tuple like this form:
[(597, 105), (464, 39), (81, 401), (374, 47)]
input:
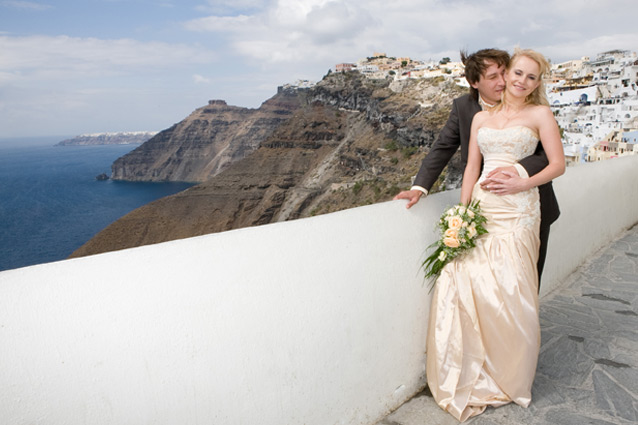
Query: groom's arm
[(440, 153), (535, 162), (435, 161)]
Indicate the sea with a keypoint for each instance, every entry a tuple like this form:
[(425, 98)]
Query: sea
[(51, 202)]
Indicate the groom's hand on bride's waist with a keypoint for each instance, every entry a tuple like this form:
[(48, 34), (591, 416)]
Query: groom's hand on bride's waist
[(503, 181)]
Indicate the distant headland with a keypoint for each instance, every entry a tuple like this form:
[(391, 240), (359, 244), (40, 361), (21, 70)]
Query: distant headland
[(120, 138)]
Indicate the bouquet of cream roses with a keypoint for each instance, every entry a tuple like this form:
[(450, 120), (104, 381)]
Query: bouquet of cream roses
[(459, 226)]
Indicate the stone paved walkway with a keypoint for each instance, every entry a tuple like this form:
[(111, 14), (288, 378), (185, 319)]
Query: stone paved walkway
[(588, 366)]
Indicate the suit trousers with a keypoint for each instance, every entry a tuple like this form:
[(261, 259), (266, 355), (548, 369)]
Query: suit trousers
[(542, 253)]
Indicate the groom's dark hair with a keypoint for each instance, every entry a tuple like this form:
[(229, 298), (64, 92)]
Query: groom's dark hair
[(478, 62)]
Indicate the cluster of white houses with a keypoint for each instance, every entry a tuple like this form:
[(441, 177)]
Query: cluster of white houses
[(595, 102), (380, 66)]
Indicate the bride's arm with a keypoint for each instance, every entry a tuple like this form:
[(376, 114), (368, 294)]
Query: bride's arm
[(550, 138), (474, 159)]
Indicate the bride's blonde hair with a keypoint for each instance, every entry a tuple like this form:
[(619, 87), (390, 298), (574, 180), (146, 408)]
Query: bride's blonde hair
[(538, 96)]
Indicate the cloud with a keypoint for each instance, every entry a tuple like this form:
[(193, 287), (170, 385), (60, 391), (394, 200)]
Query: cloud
[(72, 82), (559, 52), (230, 7), (331, 31), (287, 31), (199, 79), (63, 57), (26, 5), (313, 31), (221, 23)]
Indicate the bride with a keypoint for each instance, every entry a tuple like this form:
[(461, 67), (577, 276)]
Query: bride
[(484, 333)]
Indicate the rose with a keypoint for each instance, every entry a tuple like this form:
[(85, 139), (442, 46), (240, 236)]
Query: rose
[(471, 231), (455, 222), (451, 233), (458, 226), (451, 242)]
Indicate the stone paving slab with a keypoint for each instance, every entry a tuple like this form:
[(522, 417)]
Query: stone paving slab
[(588, 364)]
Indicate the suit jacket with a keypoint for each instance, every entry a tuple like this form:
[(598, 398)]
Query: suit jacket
[(456, 133)]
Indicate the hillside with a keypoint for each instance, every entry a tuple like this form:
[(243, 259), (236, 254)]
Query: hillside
[(352, 141), (206, 142)]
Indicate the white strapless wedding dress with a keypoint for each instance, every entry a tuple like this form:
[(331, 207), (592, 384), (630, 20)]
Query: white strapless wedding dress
[(484, 333)]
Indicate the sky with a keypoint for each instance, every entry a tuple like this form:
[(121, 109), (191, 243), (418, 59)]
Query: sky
[(69, 67)]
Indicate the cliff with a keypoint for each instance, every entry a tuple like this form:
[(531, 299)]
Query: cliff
[(207, 141), (351, 142)]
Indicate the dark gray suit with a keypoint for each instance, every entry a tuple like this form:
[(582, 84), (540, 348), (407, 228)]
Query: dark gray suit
[(455, 134)]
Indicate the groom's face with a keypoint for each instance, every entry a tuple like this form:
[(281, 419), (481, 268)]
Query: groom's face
[(491, 84)]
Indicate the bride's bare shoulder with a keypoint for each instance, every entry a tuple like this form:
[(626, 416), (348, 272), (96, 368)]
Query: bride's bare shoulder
[(541, 110), (480, 118)]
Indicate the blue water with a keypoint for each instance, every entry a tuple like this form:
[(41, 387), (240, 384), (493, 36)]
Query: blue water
[(51, 203)]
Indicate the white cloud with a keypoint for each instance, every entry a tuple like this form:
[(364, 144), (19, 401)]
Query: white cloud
[(333, 22), (27, 5), (230, 7), (64, 57), (313, 31), (199, 79), (290, 30), (575, 49), (221, 23), (71, 82)]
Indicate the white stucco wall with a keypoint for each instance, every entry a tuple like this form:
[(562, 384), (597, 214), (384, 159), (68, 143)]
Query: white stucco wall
[(598, 201), (314, 321)]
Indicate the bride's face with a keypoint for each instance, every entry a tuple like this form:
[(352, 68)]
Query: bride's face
[(523, 77)]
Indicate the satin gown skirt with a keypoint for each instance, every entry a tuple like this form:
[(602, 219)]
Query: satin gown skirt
[(484, 333)]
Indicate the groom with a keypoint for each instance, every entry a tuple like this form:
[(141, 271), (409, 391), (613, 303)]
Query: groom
[(484, 72)]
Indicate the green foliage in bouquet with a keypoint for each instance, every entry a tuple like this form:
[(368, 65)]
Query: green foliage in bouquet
[(459, 226)]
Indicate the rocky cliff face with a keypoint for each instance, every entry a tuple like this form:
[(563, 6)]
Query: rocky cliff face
[(206, 142), (351, 142)]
